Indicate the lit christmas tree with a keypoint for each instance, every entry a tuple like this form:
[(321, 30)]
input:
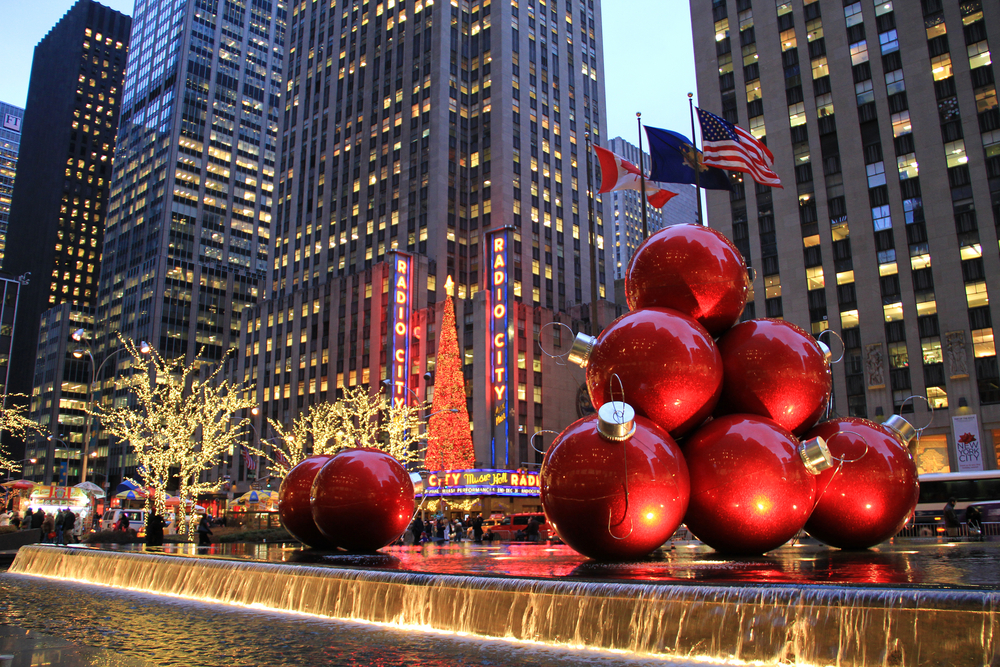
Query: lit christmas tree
[(449, 439)]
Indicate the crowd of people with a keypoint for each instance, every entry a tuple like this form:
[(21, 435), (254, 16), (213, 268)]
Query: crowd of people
[(63, 527), (442, 530)]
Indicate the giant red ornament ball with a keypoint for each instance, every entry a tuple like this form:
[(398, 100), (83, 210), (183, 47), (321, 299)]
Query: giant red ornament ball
[(750, 490), (692, 269), (614, 499), (669, 368), (293, 502), (868, 498), (362, 500), (776, 370)]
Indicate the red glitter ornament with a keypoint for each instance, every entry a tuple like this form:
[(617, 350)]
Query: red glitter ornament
[(776, 370), (362, 499), (750, 488), (614, 485), (693, 269), (293, 502), (866, 499), (669, 367)]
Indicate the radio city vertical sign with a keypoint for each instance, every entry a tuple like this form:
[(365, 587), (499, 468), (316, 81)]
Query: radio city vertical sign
[(498, 248), (401, 304)]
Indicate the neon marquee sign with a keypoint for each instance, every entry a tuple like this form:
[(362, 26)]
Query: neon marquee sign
[(500, 426), (484, 481), (400, 292)]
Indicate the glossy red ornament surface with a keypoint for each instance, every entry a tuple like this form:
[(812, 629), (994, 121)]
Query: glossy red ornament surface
[(362, 499), (776, 370), (864, 502), (293, 503), (693, 269), (669, 367), (750, 491), (583, 482)]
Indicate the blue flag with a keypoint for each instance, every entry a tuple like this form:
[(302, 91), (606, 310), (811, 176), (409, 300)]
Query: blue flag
[(673, 159)]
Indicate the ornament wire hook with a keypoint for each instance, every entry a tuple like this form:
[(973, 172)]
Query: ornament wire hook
[(840, 462), (560, 359), (535, 435), (620, 415), (753, 277), (843, 348), (929, 409)]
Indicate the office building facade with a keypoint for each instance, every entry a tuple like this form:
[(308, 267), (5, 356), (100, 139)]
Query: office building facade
[(435, 132), (189, 221), (885, 131), (10, 143), (59, 204)]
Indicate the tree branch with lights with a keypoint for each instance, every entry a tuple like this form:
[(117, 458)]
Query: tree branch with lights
[(359, 419), (13, 419), (178, 424)]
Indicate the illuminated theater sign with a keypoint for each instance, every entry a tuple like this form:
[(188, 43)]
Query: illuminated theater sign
[(499, 321), (483, 482), (400, 292)]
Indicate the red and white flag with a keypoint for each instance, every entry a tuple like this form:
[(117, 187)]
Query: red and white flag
[(729, 146), (617, 173)]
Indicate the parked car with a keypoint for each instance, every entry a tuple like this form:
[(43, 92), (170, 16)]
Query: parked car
[(136, 520), (512, 529)]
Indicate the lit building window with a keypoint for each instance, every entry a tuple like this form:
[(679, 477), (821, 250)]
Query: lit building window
[(941, 66), (976, 295), (982, 343)]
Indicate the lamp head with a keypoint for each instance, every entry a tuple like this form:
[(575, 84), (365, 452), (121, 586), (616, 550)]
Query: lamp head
[(144, 347), (255, 410), (78, 354), (78, 335)]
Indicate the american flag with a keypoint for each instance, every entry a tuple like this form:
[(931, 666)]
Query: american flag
[(728, 146), (248, 461), (280, 456)]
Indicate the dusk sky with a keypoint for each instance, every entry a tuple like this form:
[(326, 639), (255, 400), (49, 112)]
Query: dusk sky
[(648, 67)]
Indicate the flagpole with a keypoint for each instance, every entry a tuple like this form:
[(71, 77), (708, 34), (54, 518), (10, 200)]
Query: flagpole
[(697, 171), (642, 178), (593, 242)]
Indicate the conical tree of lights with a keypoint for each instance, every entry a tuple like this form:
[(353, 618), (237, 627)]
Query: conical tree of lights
[(449, 439)]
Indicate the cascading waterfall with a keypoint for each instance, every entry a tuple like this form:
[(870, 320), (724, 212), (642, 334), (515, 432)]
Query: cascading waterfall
[(814, 625)]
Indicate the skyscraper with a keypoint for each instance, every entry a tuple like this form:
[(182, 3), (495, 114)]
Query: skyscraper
[(886, 133), (448, 139), (189, 220), (625, 210), (60, 196), (10, 142)]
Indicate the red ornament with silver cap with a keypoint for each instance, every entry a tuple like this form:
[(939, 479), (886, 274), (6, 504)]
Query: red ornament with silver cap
[(614, 485), (293, 502), (666, 360), (362, 499), (776, 370), (752, 483), (872, 489), (692, 269)]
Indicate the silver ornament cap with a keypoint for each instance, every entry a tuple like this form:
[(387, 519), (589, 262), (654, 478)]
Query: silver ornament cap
[(579, 353), (616, 421), (901, 428), (825, 349), (815, 455)]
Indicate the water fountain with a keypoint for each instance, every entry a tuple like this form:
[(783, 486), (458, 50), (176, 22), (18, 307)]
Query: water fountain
[(786, 620)]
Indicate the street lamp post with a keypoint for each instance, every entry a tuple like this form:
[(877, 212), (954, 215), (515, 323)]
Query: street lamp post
[(10, 471), (79, 336)]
